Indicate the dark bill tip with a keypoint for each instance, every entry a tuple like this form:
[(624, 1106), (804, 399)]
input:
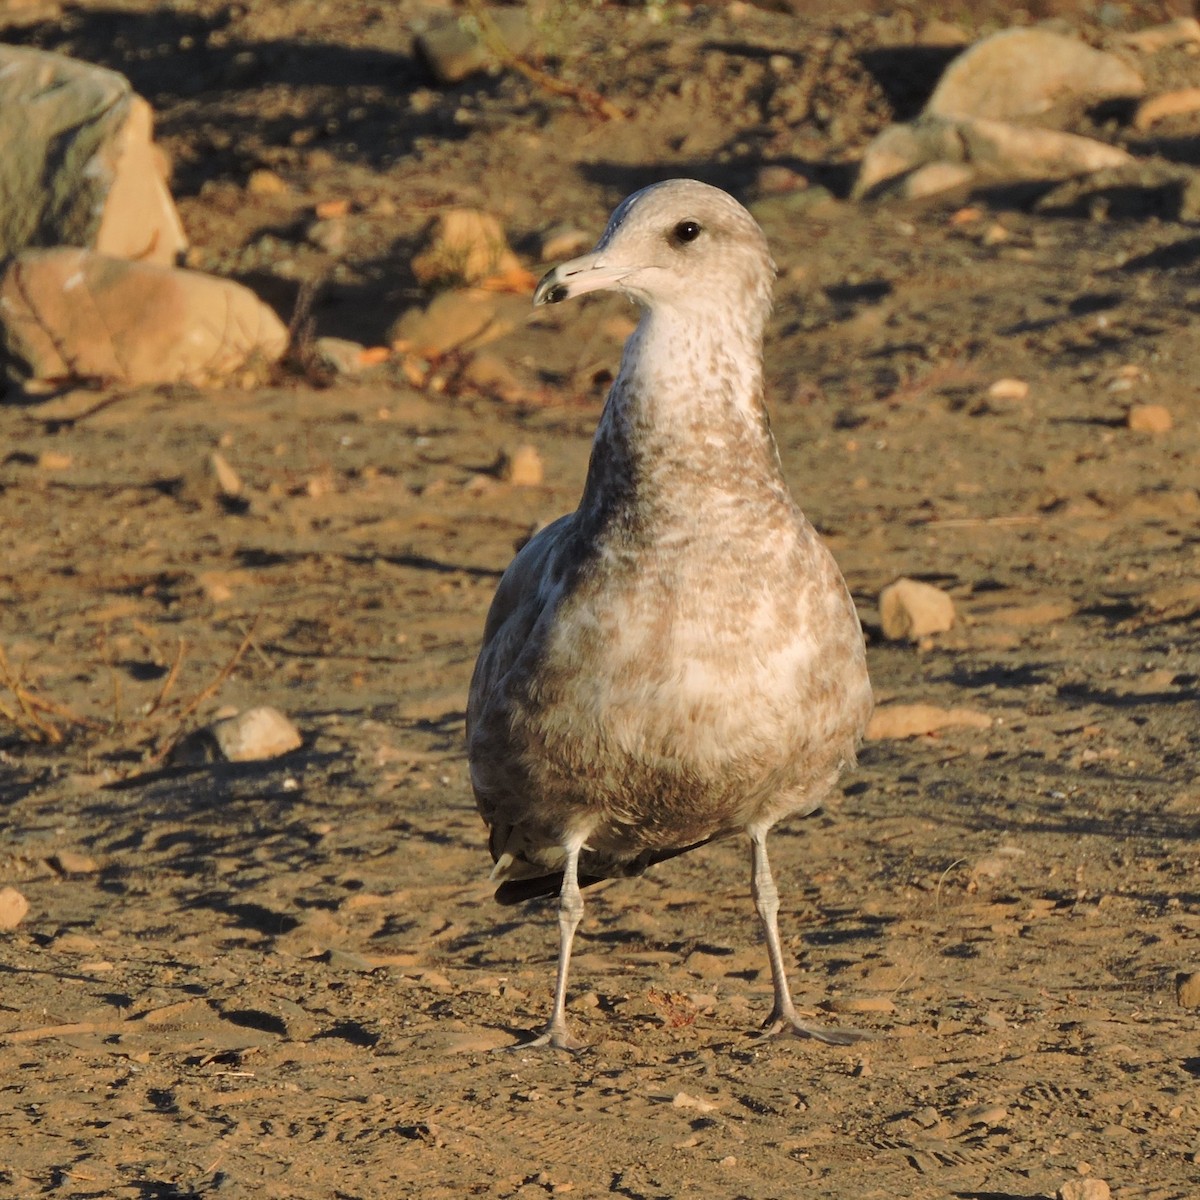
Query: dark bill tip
[(549, 290)]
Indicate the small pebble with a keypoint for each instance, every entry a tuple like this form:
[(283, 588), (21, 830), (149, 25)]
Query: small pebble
[(255, 734), (1084, 1189), (13, 907), (265, 183), (911, 609), (698, 1103), (1187, 989), (522, 467), (70, 862), (1008, 389), (1149, 418)]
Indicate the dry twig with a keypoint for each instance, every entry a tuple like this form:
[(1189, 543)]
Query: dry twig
[(501, 49)]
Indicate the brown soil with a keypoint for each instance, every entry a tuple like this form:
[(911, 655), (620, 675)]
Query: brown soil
[(289, 979)]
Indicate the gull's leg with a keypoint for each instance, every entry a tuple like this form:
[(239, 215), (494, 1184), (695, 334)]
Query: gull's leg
[(570, 910), (783, 1018)]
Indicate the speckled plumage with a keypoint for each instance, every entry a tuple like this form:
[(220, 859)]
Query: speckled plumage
[(678, 660)]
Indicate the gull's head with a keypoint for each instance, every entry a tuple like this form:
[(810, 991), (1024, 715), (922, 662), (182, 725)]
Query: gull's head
[(676, 245)]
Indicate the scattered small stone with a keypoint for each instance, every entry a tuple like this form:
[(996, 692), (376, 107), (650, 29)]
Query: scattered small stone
[(264, 182), (521, 467), (71, 862), (347, 357), (1008, 389), (227, 480), (13, 907), (465, 246), (1084, 1189), (73, 943), (492, 375), (1169, 104), (255, 734), (1179, 32), (452, 319), (54, 460), (896, 721), (775, 179), (435, 979), (328, 234), (453, 50), (327, 210), (911, 609), (1187, 989), (216, 586), (1149, 418)]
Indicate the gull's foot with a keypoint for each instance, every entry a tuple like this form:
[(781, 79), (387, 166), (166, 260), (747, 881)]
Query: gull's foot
[(556, 1035), (789, 1024)]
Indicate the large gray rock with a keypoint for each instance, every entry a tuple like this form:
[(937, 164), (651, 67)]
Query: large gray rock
[(78, 166), (1022, 73), (68, 314)]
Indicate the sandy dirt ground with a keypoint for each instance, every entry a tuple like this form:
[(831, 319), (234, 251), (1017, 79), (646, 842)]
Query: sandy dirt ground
[(288, 978)]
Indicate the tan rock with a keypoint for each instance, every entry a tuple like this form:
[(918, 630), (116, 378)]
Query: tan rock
[(994, 150), (347, 357), (1187, 989), (72, 862), (492, 375), (470, 317), (522, 466), (465, 246), (935, 31), (454, 50), (226, 478), (911, 609), (13, 907), (255, 734), (79, 166), (895, 721), (1149, 418), (1006, 151), (1008, 389), (901, 149), (70, 314), (265, 182), (1180, 103), (1084, 1189), (1179, 32), (934, 178), (1024, 72)]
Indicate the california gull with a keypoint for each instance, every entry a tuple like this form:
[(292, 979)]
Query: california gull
[(679, 659)]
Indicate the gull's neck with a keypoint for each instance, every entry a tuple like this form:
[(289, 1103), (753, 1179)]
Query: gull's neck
[(685, 416)]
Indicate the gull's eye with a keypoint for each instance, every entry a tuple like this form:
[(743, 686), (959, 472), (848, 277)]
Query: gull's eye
[(686, 231)]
